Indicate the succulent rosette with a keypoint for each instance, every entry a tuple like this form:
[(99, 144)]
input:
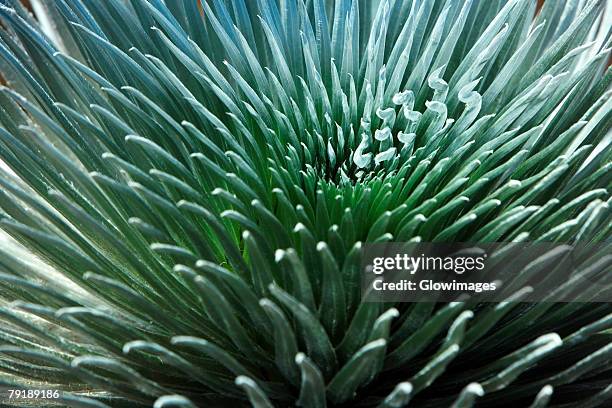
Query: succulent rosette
[(188, 186)]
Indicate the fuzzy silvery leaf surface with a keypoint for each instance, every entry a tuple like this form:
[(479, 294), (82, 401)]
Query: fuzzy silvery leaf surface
[(191, 183)]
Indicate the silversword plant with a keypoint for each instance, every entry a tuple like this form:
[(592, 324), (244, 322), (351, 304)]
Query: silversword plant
[(195, 181)]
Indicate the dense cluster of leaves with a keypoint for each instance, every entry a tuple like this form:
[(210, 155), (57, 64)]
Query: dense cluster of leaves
[(199, 180)]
